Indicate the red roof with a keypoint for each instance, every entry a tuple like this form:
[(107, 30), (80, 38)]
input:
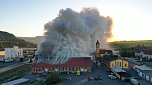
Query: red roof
[(139, 48), (149, 52), (2, 56), (104, 51), (72, 62)]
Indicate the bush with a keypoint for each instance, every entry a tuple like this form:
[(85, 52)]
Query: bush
[(53, 78)]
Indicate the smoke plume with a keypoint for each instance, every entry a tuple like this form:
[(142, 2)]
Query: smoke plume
[(73, 34)]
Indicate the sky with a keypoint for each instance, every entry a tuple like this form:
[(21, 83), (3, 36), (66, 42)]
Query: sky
[(26, 18)]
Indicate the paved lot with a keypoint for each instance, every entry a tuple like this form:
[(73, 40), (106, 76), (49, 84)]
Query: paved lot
[(8, 63), (82, 80)]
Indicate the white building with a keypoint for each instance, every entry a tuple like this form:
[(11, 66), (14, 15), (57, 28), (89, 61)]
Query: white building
[(144, 54), (13, 53), (144, 72)]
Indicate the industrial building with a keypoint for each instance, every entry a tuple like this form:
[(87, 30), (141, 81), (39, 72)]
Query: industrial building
[(9, 54), (74, 65)]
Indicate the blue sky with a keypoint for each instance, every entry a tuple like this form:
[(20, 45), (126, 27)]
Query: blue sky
[(26, 18)]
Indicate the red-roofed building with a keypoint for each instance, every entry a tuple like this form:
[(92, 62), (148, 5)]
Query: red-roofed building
[(142, 52), (72, 65)]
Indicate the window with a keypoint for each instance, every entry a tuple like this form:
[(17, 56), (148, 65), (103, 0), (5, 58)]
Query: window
[(113, 65), (120, 63), (125, 64)]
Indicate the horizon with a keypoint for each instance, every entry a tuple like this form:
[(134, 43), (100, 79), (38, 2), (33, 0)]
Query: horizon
[(131, 18)]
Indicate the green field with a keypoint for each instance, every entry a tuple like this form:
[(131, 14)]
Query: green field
[(15, 73), (2, 67), (129, 44)]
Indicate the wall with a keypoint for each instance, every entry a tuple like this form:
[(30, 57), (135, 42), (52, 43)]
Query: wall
[(119, 63)]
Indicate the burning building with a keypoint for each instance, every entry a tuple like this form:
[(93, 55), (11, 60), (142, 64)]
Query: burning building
[(73, 33), (75, 65)]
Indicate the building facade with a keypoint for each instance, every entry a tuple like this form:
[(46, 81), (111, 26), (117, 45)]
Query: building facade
[(74, 65), (142, 52), (114, 62)]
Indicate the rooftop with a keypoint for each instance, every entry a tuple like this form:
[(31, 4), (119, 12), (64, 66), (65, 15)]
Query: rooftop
[(148, 72), (73, 61), (118, 70), (104, 51), (143, 67)]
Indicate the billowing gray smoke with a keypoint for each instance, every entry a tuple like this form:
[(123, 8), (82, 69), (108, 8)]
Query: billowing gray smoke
[(73, 34)]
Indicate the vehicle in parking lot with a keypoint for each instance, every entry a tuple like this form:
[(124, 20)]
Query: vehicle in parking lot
[(112, 76), (68, 78), (134, 82), (90, 78), (98, 78)]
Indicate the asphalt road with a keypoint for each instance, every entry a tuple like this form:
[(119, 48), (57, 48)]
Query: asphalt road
[(14, 65)]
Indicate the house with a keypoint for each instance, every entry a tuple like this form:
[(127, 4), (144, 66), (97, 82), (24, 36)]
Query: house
[(2, 55), (75, 65), (144, 72), (121, 74), (115, 62), (101, 52), (143, 52)]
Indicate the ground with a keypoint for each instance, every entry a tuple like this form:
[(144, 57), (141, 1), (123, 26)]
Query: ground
[(82, 80)]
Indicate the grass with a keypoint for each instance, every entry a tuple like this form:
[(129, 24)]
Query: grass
[(15, 73), (2, 67), (129, 44)]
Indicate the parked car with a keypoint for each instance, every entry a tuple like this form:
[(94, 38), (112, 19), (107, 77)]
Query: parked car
[(90, 78), (68, 78), (98, 78), (112, 77), (134, 82)]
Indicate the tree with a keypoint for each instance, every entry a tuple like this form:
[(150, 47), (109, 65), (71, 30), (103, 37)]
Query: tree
[(53, 78), (39, 82)]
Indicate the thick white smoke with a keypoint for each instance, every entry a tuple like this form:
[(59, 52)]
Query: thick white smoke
[(74, 34)]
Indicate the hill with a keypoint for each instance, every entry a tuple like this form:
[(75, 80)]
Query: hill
[(35, 40), (129, 44), (9, 40)]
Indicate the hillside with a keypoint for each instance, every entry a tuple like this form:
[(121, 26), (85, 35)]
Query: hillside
[(9, 40), (35, 40)]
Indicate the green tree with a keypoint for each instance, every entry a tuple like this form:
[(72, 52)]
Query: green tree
[(53, 78)]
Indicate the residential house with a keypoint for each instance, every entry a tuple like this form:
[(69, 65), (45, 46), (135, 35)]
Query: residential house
[(142, 52)]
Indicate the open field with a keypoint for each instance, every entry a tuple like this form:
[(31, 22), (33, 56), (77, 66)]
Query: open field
[(15, 73), (129, 44)]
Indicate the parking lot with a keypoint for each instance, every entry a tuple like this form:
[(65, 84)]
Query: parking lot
[(83, 79)]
